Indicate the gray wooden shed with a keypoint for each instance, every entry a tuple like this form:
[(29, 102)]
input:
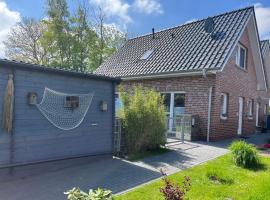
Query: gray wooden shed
[(34, 138)]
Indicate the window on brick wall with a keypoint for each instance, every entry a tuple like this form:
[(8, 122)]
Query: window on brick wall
[(224, 103), (250, 108), (265, 109), (241, 56)]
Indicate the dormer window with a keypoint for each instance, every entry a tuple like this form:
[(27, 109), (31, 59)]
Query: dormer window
[(146, 55), (241, 56)]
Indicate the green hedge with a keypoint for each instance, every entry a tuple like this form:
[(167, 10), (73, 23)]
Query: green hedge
[(144, 119)]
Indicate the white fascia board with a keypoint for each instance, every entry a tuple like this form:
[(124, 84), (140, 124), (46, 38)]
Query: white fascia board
[(259, 47), (181, 74), (234, 45)]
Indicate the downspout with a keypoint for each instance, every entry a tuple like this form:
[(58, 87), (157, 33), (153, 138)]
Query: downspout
[(210, 89)]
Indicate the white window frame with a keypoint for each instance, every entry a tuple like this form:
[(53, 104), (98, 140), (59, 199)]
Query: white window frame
[(224, 106), (239, 47), (257, 114), (250, 108), (265, 109)]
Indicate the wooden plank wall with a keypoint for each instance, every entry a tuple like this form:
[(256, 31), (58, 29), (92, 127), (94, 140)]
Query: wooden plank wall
[(35, 138)]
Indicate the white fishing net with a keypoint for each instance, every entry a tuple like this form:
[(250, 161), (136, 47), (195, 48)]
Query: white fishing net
[(54, 107)]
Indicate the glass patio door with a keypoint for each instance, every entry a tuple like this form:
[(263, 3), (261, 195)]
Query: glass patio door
[(175, 105)]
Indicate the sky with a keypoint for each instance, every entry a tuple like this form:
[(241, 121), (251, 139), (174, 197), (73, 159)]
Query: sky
[(138, 17)]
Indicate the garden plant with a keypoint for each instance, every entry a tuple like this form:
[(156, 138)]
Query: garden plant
[(78, 194), (244, 154), (173, 191), (144, 119)]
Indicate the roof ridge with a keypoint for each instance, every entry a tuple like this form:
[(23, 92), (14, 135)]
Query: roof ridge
[(182, 25)]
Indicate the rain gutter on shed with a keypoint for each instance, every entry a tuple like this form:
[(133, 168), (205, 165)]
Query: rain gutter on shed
[(41, 68)]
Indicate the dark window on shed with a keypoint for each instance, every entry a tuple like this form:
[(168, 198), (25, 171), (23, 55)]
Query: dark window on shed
[(72, 102)]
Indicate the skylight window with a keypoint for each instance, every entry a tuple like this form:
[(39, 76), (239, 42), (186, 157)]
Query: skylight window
[(146, 55)]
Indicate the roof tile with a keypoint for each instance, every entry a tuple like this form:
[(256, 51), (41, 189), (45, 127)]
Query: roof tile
[(190, 48)]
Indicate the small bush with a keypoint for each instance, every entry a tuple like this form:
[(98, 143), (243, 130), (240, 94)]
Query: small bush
[(144, 119), (172, 191), (244, 154), (99, 194)]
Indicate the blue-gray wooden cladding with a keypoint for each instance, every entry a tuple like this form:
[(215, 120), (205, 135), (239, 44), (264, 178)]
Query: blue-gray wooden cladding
[(35, 138)]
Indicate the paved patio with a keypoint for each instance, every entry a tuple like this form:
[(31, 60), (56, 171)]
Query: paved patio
[(49, 180)]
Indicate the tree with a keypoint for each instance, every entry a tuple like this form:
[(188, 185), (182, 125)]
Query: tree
[(84, 40), (23, 42), (57, 36), (65, 40), (110, 37), (69, 38)]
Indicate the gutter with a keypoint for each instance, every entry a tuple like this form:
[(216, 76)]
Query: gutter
[(168, 75), (45, 69), (209, 112)]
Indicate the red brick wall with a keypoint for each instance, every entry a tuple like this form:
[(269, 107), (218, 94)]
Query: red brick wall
[(237, 83), (196, 93)]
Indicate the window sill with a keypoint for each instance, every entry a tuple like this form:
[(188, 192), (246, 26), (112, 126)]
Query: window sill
[(223, 118), (250, 118), (243, 69)]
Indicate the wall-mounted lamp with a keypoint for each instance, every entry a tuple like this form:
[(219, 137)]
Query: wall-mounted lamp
[(103, 106)]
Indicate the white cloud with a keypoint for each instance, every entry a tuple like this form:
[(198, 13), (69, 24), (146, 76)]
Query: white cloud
[(116, 8), (8, 18), (148, 6), (263, 20)]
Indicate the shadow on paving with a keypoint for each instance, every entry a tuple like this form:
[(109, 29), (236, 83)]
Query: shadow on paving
[(171, 161), (49, 180), (188, 154)]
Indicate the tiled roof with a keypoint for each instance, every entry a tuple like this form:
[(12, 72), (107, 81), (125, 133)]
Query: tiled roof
[(180, 49), (264, 45)]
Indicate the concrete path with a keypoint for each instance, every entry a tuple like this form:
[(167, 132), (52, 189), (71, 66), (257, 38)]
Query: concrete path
[(48, 181)]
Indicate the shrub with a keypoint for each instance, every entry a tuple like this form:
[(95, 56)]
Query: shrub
[(172, 191), (244, 154), (99, 194), (144, 119)]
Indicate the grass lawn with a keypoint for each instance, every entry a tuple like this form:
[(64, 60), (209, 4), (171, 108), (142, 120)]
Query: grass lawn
[(233, 182)]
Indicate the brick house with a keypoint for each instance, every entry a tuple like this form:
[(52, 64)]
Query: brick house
[(215, 68)]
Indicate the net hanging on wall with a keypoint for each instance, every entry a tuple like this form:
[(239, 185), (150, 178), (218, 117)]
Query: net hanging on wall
[(65, 111)]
